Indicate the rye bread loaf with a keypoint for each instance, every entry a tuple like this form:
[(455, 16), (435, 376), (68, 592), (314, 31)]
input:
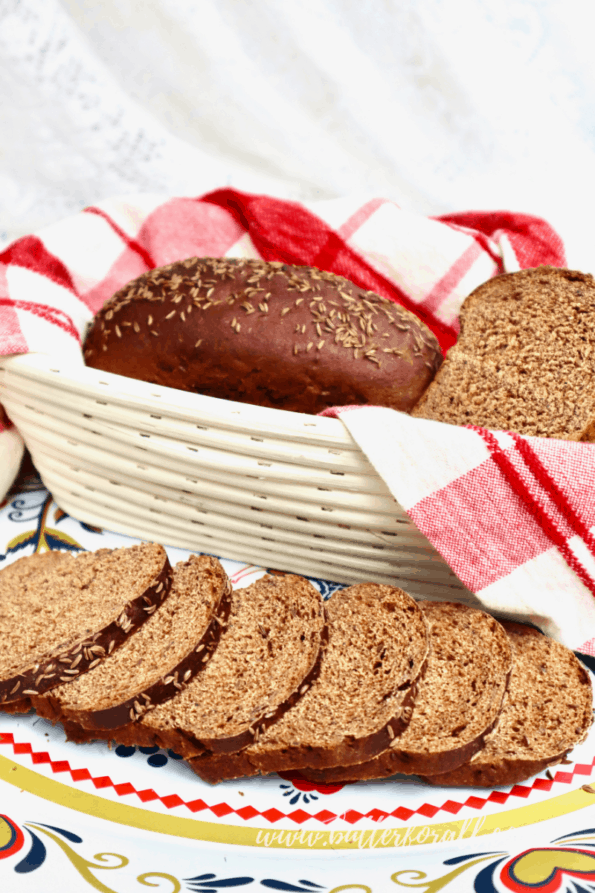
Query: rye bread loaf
[(361, 699), (270, 334), (155, 663), (60, 617), (547, 710), (524, 358), (458, 698), (267, 656)]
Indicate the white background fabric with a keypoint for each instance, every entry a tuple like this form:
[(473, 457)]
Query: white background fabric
[(441, 105)]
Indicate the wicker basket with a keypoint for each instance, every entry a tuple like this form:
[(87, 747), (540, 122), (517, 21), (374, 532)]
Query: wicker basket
[(265, 486)]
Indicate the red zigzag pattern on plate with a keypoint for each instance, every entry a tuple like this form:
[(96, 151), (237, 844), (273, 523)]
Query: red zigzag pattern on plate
[(352, 816)]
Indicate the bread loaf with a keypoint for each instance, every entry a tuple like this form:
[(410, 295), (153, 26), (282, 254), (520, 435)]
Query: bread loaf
[(270, 334), (524, 358)]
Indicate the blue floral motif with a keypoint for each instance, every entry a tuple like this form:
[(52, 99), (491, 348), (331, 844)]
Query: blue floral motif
[(326, 587), (155, 759), (295, 795), (308, 886), (34, 858), (204, 882), (34, 508)]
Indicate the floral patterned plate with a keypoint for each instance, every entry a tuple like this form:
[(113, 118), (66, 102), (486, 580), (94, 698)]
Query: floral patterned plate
[(83, 817)]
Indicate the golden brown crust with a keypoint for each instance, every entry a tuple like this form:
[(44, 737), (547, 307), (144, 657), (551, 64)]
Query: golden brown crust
[(270, 334)]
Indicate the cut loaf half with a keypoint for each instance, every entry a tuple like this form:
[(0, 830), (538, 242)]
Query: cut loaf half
[(524, 358), (458, 699), (155, 663), (361, 699), (59, 617)]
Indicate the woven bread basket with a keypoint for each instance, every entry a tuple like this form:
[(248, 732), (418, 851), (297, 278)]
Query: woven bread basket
[(265, 486)]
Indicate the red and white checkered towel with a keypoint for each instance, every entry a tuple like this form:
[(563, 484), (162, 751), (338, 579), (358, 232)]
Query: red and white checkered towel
[(512, 515)]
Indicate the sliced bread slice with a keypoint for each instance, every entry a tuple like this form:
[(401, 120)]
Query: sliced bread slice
[(267, 655), (361, 699), (61, 617), (547, 710), (152, 665), (458, 698)]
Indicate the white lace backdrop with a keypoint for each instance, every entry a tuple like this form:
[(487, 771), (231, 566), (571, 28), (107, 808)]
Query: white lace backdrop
[(440, 105)]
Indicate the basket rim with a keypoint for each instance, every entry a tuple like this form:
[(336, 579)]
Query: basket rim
[(234, 415)]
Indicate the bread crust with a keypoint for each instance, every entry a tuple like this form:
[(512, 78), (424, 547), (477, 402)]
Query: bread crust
[(502, 774), (214, 768), (287, 337), (392, 762), (87, 651)]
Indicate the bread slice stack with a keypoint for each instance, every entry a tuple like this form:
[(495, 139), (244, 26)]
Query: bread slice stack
[(458, 699), (60, 617), (361, 698), (547, 710), (270, 677), (268, 656), (171, 648)]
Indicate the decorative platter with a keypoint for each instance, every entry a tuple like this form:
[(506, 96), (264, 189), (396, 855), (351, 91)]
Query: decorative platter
[(87, 817)]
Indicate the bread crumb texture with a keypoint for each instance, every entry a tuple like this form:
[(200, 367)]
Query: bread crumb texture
[(458, 699), (162, 642), (547, 710), (525, 357), (377, 647)]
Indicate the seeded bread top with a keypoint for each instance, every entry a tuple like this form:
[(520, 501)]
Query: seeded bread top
[(271, 643), (47, 607), (524, 358), (378, 644), (171, 633), (265, 333)]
